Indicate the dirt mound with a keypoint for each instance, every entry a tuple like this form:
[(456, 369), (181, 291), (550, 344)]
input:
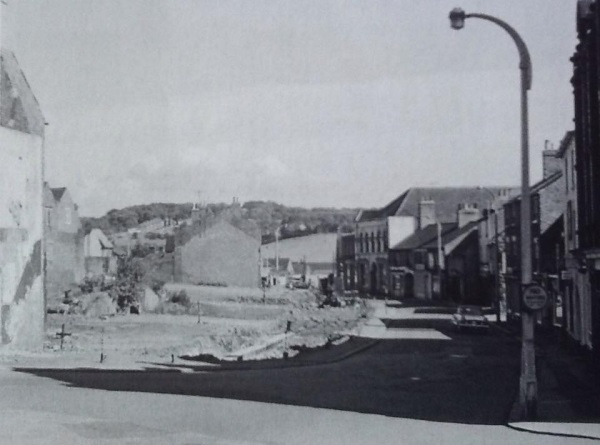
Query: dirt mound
[(150, 300), (98, 304), (242, 311)]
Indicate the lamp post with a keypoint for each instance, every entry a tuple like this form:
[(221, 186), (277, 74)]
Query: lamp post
[(528, 381)]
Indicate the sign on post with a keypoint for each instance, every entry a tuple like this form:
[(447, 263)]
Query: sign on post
[(534, 297)]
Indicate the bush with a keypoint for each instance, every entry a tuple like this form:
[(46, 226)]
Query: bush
[(181, 298), (157, 285)]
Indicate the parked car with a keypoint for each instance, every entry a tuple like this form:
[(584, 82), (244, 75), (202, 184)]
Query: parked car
[(467, 317)]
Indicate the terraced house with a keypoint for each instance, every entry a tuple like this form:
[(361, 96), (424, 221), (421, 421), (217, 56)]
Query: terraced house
[(415, 209)]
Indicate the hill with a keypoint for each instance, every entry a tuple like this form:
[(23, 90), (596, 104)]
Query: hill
[(268, 215), (317, 248)]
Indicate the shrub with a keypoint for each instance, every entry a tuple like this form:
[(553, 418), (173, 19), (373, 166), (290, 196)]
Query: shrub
[(181, 298)]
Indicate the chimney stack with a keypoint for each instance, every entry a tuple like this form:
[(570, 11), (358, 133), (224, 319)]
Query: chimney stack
[(468, 213), (550, 160), (426, 213)]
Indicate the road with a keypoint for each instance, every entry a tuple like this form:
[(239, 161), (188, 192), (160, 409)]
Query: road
[(469, 379)]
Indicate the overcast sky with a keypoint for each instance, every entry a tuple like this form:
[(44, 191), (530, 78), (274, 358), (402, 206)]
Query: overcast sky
[(313, 103)]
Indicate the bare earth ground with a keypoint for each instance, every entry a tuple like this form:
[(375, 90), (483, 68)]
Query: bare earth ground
[(231, 320)]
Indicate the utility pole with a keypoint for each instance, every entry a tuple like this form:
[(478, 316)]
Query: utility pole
[(277, 249), (440, 257)]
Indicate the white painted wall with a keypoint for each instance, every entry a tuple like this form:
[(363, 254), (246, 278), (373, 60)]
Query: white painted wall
[(21, 238), (400, 227)]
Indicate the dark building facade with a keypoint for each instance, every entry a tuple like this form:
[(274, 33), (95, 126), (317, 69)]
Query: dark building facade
[(346, 262), (587, 148), (547, 198)]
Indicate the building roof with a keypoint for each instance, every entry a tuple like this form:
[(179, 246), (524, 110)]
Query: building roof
[(283, 263), (424, 236), (384, 212), (98, 235), (58, 193), (564, 144), (19, 109), (540, 185), (447, 201), (453, 235)]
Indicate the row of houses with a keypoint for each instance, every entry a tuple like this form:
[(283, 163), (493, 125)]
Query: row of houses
[(70, 254), (423, 244), (462, 244)]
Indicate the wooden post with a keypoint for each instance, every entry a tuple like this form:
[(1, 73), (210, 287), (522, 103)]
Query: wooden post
[(62, 334)]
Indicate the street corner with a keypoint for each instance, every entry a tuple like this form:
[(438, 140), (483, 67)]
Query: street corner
[(560, 429)]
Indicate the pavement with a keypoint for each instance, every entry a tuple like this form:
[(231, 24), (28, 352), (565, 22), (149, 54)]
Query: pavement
[(568, 388), (54, 412)]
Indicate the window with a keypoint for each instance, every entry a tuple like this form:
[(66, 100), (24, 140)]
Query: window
[(419, 257), (574, 226), (535, 207), (49, 218), (569, 220), (566, 175), (379, 241), (573, 170)]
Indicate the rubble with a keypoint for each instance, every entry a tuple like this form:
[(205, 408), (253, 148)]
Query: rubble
[(226, 325)]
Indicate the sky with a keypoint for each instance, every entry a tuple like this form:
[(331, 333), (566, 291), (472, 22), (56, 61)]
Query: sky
[(343, 103)]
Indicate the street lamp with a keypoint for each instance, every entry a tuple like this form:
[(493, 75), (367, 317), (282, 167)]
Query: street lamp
[(528, 381)]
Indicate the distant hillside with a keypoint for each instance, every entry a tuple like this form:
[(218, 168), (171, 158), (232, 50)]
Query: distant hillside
[(318, 248), (268, 215)]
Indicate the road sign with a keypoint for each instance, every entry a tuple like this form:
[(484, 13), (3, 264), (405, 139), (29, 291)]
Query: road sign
[(535, 297)]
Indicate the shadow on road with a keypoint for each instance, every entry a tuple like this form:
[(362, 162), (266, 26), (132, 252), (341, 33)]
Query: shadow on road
[(470, 379)]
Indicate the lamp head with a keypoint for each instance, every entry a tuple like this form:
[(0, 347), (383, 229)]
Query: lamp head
[(457, 18)]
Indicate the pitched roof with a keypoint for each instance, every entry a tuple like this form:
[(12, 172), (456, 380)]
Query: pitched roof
[(447, 200), (58, 193), (283, 263), (454, 234), (564, 144), (384, 212), (423, 236), (19, 109), (540, 185)]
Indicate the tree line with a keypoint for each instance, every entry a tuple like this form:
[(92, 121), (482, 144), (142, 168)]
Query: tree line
[(268, 215)]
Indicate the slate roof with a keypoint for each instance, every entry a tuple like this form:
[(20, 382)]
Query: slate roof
[(540, 185), (58, 193), (564, 144), (283, 263), (423, 236), (447, 201), (19, 109), (451, 235)]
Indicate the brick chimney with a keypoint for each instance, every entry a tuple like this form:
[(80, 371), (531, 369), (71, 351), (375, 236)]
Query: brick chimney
[(467, 213), (551, 162), (426, 213)]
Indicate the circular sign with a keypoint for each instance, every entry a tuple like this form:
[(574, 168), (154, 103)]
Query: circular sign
[(535, 297)]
